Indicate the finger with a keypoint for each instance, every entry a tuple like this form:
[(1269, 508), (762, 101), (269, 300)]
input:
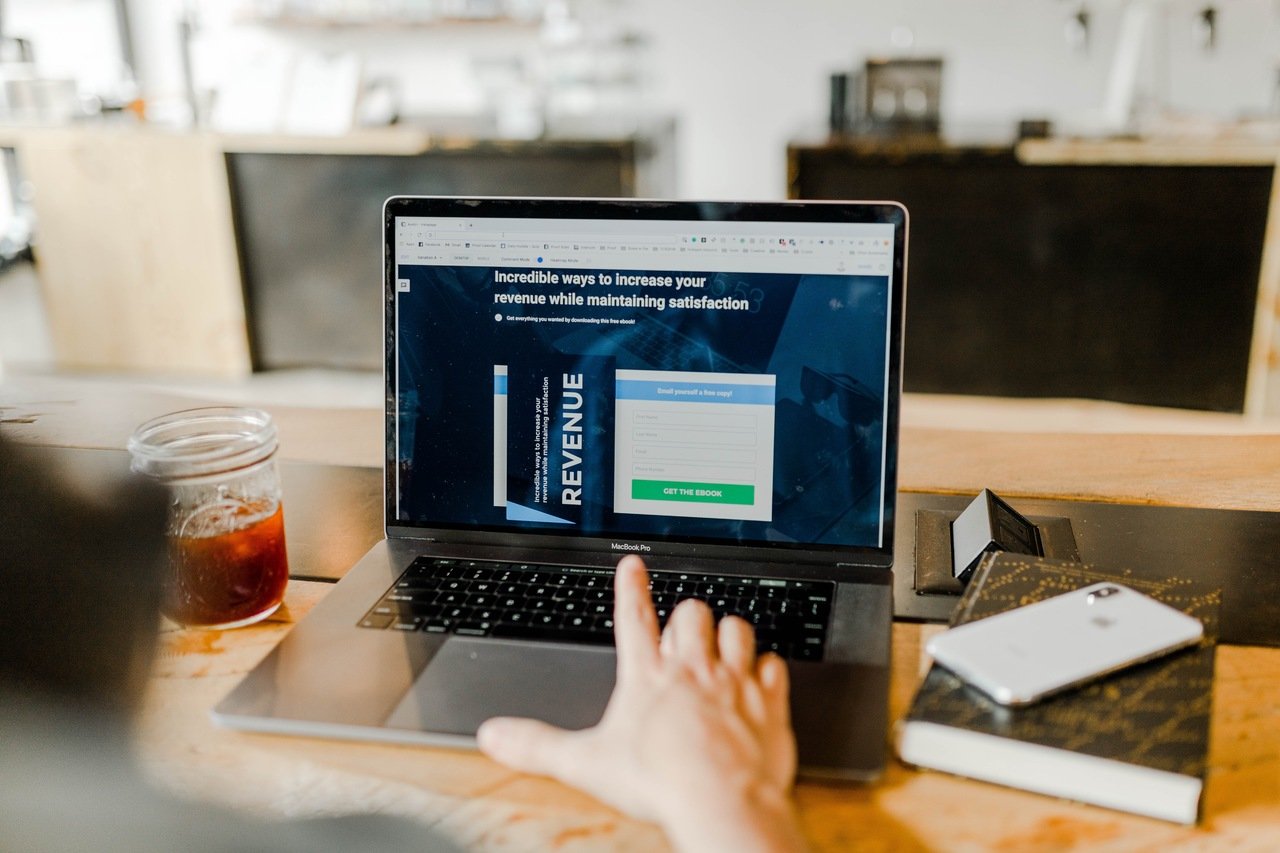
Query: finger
[(530, 746), (693, 635), (737, 646), (775, 684), (780, 742), (635, 625)]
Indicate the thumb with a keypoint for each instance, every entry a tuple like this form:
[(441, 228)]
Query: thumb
[(530, 746)]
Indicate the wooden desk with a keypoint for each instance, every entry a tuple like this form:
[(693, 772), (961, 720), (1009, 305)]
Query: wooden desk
[(485, 805)]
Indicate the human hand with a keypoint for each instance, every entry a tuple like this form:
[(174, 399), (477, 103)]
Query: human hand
[(696, 736)]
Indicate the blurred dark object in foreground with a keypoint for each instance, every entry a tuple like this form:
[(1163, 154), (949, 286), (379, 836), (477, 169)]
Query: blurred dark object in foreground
[(80, 566)]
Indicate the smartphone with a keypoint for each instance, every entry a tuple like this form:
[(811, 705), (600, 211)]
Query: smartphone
[(1021, 656)]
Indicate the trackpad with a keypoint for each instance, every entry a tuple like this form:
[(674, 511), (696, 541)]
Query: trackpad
[(468, 681)]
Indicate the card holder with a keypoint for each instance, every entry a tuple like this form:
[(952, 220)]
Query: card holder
[(933, 548)]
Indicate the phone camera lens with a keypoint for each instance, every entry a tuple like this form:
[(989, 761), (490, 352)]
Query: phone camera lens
[(1102, 592)]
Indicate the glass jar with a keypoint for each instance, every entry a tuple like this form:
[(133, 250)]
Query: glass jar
[(227, 562)]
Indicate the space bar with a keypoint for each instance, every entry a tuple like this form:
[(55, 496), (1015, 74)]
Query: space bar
[(561, 635)]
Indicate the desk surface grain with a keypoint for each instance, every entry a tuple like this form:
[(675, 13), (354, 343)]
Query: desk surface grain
[(485, 805)]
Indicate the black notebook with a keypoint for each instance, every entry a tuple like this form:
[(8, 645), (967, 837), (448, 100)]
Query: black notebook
[(1135, 741)]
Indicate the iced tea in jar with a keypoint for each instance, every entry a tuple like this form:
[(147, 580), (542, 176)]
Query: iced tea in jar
[(227, 563)]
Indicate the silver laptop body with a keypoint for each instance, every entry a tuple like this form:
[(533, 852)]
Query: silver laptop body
[(714, 386)]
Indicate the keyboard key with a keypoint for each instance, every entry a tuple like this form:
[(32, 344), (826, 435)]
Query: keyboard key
[(815, 611), (776, 646), (530, 632), (376, 620), (804, 651), (418, 582), (399, 609)]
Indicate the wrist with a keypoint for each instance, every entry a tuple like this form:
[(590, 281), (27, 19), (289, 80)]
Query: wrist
[(745, 818)]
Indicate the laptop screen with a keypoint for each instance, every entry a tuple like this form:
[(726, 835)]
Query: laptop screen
[(645, 376)]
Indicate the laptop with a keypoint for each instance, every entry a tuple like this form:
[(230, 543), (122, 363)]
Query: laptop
[(712, 386)]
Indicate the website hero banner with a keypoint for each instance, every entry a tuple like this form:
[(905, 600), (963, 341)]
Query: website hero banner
[(646, 401)]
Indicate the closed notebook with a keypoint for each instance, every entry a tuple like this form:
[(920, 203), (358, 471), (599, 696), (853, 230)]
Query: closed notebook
[(1135, 741)]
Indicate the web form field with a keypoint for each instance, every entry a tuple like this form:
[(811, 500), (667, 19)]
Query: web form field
[(694, 444)]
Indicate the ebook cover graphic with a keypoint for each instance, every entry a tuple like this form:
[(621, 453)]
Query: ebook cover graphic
[(559, 440)]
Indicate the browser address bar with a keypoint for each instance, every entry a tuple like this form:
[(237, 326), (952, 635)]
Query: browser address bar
[(593, 239)]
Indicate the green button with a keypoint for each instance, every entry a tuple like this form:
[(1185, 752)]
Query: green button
[(706, 493)]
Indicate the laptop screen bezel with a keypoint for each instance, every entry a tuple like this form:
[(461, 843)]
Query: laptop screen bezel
[(852, 212)]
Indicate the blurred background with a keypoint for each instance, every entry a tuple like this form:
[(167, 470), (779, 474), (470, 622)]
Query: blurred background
[(191, 188)]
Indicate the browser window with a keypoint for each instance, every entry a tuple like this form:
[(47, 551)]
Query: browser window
[(705, 381)]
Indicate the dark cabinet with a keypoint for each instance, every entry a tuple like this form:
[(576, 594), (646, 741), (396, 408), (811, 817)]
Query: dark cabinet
[(1127, 281)]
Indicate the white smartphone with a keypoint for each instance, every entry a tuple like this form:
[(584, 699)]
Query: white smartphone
[(1023, 655)]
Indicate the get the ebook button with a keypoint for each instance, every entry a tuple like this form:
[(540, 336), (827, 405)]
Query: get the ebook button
[(675, 490)]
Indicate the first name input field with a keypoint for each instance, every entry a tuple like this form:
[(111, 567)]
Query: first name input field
[(696, 421)]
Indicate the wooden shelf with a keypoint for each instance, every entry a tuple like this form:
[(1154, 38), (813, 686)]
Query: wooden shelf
[(325, 22)]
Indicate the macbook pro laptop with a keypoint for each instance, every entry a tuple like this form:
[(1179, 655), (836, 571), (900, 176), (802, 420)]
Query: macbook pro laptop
[(712, 386)]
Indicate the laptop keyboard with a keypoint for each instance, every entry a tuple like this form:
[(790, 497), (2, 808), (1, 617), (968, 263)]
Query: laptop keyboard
[(560, 603)]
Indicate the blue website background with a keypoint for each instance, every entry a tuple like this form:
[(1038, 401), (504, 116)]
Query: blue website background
[(822, 336)]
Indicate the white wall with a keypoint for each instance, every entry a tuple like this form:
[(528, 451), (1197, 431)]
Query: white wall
[(72, 39), (745, 76)]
